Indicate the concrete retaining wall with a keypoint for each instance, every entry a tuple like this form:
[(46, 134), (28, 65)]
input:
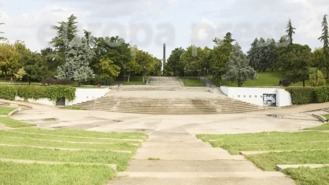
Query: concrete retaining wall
[(259, 96), (82, 95)]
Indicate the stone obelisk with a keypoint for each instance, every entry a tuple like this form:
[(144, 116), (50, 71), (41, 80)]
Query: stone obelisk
[(164, 60)]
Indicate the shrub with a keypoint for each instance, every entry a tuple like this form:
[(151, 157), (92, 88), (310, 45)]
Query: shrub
[(37, 92), (8, 92), (317, 78), (322, 94), (302, 95)]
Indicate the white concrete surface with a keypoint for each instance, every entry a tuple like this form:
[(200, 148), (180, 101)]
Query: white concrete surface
[(88, 94), (256, 95), (81, 95)]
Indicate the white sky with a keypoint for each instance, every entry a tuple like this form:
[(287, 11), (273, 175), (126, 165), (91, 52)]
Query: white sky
[(179, 23)]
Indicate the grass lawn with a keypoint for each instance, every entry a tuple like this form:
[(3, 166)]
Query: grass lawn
[(306, 176), (11, 123), (322, 127), (6, 110), (269, 161), (86, 155), (138, 80), (309, 147), (192, 82), (268, 141), (36, 174), (262, 79)]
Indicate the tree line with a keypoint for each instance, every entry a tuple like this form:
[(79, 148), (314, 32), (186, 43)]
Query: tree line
[(76, 58), (227, 62)]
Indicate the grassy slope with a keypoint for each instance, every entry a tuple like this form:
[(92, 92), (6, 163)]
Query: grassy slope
[(305, 176), (291, 148), (14, 174), (13, 123), (138, 80), (268, 141), (262, 79), (5, 110), (269, 161), (192, 82), (94, 147)]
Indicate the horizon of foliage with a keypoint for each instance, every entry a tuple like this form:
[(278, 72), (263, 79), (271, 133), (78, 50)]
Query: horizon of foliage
[(103, 60)]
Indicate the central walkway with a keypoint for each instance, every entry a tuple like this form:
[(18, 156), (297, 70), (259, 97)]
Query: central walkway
[(174, 157)]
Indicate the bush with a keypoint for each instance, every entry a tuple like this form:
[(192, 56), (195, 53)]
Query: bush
[(8, 92), (37, 92), (317, 78), (322, 94), (302, 95)]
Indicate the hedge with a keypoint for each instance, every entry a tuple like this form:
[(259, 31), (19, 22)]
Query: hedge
[(9, 92), (306, 95), (322, 94)]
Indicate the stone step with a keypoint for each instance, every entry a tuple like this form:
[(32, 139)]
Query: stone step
[(243, 180), (191, 166), (214, 174)]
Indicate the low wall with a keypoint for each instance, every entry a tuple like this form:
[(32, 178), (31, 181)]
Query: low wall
[(81, 95), (87, 94), (259, 96)]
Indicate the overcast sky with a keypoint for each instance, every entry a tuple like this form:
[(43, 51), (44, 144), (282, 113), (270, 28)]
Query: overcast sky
[(179, 23)]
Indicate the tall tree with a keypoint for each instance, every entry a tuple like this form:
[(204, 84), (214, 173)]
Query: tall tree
[(9, 60), (220, 56), (325, 39), (77, 62), (146, 64), (238, 68), (116, 50), (263, 54), (66, 32), (106, 71), (191, 60), (325, 34), (295, 62), (290, 32), (174, 64)]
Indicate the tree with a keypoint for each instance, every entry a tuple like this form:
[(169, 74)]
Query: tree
[(238, 68), (116, 50), (316, 78), (66, 32), (174, 64), (263, 54), (36, 68), (20, 74), (325, 39), (9, 60), (325, 34), (1, 37), (147, 64), (220, 56), (77, 61), (290, 32), (191, 60), (107, 71), (295, 62)]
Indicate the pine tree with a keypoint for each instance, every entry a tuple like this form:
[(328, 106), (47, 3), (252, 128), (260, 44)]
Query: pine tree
[(325, 39), (325, 34), (238, 68), (290, 32), (66, 32)]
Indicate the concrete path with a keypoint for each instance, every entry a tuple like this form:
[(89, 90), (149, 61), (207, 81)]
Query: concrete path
[(174, 157)]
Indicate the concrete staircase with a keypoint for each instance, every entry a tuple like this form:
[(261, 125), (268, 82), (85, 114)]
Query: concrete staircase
[(168, 106), (166, 95)]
